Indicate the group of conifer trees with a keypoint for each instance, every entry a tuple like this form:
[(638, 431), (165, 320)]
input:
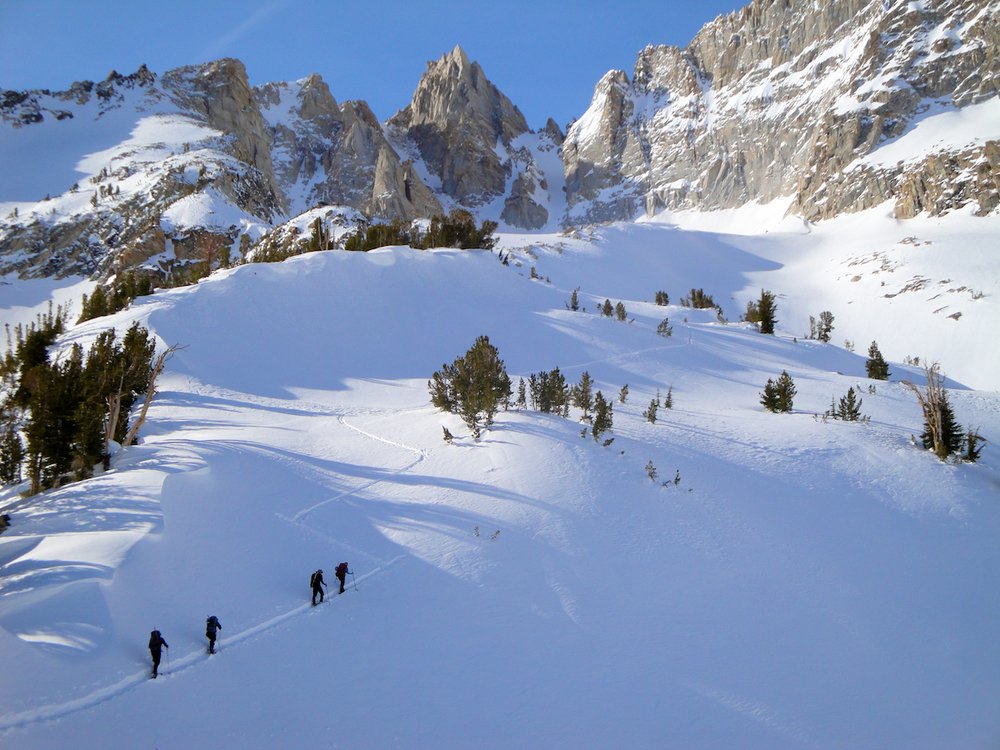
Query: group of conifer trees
[(116, 296), (458, 229), (476, 385), (59, 413)]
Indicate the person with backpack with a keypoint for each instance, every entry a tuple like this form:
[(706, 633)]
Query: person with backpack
[(341, 573), (156, 643), (317, 583), (212, 627)]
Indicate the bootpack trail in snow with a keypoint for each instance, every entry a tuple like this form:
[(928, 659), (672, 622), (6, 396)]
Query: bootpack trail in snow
[(196, 657), (171, 667)]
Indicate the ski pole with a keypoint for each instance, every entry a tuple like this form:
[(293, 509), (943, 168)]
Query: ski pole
[(354, 582)]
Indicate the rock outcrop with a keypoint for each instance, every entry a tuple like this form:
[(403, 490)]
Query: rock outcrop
[(460, 122), (337, 154), (779, 100)]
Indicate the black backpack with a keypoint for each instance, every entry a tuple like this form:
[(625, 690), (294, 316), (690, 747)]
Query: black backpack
[(154, 639)]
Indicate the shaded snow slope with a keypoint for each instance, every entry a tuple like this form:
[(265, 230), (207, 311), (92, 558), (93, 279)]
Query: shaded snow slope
[(804, 584)]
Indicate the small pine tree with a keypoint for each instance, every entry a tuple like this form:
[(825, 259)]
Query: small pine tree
[(778, 395), (951, 435), (825, 327), (11, 455), (582, 394), (786, 392), (623, 394), (668, 402), (607, 310), (662, 298), (769, 398), (522, 401), (650, 413), (448, 437), (698, 299), (849, 408), (574, 301), (651, 470), (973, 445), (664, 328), (765, 311), (876, 366), (474, 387), (620, 313), (603, 416)]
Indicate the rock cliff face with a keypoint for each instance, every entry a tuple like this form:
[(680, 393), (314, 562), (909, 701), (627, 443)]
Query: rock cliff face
[(337, 154), (460, 123), (787, 98)]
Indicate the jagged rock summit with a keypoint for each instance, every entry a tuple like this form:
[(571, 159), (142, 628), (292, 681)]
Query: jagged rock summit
[(787, 99), (456, 119)]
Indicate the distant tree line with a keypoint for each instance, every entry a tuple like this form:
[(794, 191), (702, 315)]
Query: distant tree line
[(117, 295), (458, 229)]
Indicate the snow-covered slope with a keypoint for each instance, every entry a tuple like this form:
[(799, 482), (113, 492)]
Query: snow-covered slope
[(804, 583)]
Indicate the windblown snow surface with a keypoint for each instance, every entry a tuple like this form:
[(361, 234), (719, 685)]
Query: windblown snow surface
[(804, 584)]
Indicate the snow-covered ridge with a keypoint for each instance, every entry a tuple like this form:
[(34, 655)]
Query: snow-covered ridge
[(535, 573)]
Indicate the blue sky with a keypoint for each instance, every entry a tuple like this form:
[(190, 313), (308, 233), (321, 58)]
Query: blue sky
[(546, 56)]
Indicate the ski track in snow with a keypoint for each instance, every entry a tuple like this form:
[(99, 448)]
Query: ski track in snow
[(194, 658), (421, 455), (188, 661)]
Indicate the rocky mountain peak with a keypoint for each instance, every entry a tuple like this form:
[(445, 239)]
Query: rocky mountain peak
[(456, 119)]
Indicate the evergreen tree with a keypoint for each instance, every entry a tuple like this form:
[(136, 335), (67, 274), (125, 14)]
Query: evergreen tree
[(603, 415), (668, 402), (941, 433), (662, 298), (650, 413), (583, 394), (698, 299), (11, 455), (522, 402), (786, 392), (474, 386), (651, 470), (620, 313), (769, 398), (951, 434), (778, 395), (549, 392), (623, 394), (664, 328), (876, 367), (440, 386), (849, 408), (765, 311), (825, 327), (607, 310), (574, 301), (973, 445)]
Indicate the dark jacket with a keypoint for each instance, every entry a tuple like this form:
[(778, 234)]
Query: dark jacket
[(156, 642), (212, 626)]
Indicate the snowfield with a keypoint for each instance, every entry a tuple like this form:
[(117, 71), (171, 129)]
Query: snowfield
[(803, 584)]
